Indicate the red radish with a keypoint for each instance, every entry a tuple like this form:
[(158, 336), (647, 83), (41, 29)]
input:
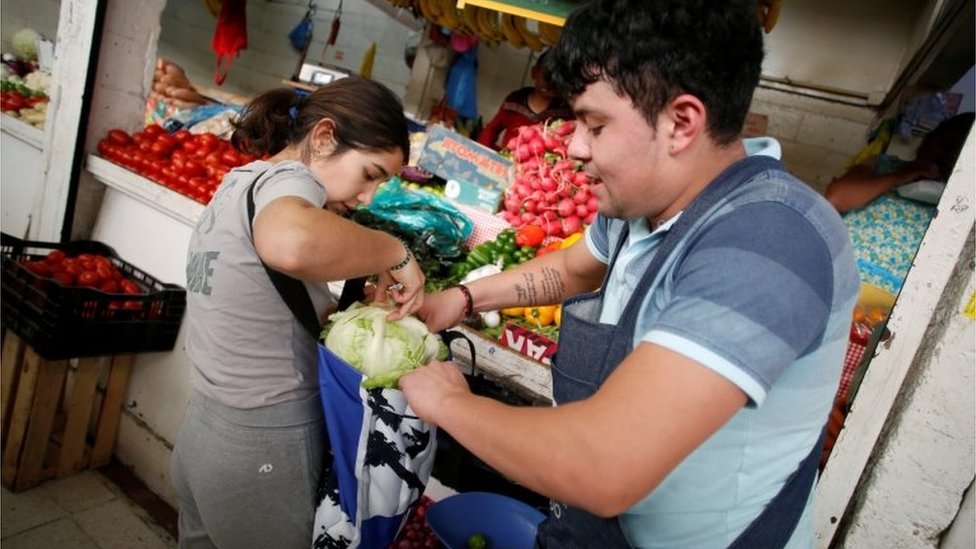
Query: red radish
[(571, 224), (566, 207), (581, 210)]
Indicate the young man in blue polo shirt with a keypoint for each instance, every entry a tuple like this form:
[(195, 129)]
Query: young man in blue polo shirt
[(692, 388)]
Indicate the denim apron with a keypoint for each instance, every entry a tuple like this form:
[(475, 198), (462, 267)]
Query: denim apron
[(588, 353)]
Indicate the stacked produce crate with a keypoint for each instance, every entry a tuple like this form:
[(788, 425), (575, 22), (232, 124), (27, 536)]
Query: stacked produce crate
[(72, 316)]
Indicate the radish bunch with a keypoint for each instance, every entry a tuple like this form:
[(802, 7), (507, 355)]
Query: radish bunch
[(549, 189)]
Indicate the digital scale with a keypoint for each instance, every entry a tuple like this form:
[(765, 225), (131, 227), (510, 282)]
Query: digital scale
[(318, 75)]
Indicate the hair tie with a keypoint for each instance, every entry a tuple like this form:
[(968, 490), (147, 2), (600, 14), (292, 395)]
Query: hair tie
[(293, 113)]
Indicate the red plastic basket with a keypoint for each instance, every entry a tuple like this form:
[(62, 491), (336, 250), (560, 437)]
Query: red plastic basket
[(66, 322)]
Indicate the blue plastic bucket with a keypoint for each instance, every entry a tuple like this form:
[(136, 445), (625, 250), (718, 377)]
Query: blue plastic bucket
[(503, 521)]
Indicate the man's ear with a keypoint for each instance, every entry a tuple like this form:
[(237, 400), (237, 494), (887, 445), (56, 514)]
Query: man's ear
[(687, 116)]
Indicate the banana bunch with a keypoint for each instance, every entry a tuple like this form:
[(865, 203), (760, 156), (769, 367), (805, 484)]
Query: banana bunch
[(433, 10), (483, 23), (549, 33), (516, 31)]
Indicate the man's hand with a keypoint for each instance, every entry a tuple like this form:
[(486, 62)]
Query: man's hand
[(427, 388)]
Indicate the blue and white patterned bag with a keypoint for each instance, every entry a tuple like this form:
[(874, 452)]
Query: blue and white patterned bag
[(382, 455)]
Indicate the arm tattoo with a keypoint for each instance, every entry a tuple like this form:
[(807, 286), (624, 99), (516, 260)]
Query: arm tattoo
[(550, 289)]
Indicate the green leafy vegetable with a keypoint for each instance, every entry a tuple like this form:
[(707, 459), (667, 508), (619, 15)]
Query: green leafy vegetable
[(380, 349)]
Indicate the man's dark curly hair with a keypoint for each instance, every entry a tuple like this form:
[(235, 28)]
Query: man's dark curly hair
[(654, 50)]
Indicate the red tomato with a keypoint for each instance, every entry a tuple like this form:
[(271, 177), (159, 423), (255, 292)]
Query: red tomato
[(231, 158), (130, 287), (208, 139), (181, 135), (89, 279), (109, 286), (192, 168), (63, 278), (119, 137), (40, 268), (213, 159), (153, 130), (162, 145), (190, 145), (55, 256)]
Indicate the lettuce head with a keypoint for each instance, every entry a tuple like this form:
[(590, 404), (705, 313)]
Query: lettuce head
[(380, 349)]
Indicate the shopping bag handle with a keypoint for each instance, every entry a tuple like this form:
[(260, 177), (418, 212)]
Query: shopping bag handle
[(449, 336)]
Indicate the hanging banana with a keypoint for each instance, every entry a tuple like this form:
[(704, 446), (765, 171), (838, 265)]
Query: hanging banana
[(449, 13), (469, 19), (512, 34), (488, 21), (530, 38), (549, 33)]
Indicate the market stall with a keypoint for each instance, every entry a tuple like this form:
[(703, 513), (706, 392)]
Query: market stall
[(147, 219)]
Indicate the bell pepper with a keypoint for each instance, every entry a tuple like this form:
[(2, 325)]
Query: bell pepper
[(548, 248), (558, 317), (570, 240), (513, 311), (530, 235), (541, 316)]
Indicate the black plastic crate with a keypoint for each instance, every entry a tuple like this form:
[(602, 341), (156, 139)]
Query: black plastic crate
[(65, 322)]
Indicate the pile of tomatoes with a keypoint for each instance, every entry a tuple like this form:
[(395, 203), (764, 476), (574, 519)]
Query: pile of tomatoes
[(190, 164), (84, 270)]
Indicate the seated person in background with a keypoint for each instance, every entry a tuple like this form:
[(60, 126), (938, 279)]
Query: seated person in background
[(886, 228), (523, 107)]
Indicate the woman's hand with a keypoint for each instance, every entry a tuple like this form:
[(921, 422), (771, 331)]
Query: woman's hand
[(443, 310), (405, 285), (428, 387)]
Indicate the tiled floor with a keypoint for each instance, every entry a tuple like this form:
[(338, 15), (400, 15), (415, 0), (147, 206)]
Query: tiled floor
[(83, 511)]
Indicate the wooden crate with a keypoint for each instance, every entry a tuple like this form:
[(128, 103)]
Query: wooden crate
[(57, 419)]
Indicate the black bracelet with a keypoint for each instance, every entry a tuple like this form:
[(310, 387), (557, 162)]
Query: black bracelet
[(406, 259), (468, 300)]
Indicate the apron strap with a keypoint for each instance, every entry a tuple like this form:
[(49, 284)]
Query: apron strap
[(727, 181)]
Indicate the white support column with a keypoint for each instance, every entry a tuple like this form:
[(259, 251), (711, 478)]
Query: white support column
[(904, 458), (76, 27)]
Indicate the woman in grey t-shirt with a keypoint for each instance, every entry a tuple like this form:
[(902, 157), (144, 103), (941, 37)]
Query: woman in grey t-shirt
[(250, 451)]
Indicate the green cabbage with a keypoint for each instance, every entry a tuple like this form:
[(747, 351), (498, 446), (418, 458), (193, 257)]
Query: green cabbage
[(380, 349)]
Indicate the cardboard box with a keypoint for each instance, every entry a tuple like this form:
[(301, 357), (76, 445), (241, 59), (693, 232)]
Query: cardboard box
[(528, 343), (475, 174)]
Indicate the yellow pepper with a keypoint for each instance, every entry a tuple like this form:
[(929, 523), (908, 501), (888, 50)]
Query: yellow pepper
[(570, 240), (558, 317), (541, 316), (513, 311)]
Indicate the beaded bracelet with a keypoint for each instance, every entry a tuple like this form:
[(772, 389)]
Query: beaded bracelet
[(406, 258), (468, 300)]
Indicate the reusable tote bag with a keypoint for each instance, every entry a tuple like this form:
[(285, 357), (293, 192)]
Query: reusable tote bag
[(382, 456), (381, 453)]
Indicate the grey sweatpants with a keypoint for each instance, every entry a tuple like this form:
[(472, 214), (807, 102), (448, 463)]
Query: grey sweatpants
[(247, 478)]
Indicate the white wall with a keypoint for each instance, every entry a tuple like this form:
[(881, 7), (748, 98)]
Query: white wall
[(187, 29)]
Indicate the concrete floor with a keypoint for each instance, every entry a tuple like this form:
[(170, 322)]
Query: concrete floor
[(82, 511)]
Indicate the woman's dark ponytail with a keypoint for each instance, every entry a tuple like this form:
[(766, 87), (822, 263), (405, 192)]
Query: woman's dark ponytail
[(367, 115), (265, 126)]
